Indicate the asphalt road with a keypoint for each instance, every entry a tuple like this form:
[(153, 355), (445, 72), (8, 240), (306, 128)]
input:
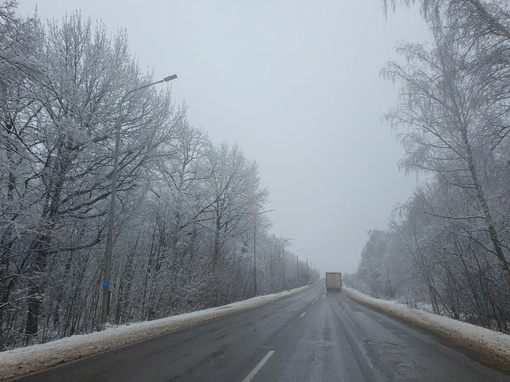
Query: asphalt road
[(310, 336)]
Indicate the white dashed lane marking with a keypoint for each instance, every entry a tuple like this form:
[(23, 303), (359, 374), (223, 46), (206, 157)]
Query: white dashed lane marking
[(250, 376)]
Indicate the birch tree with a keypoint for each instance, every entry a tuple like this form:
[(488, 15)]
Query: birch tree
[(448, 124)]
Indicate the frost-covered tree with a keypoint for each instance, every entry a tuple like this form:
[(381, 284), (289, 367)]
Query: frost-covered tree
[(372, 268), (449, 243), (61, 144), (475, 17), (20, 71), (451, 126), (234, 198), (235, 195)]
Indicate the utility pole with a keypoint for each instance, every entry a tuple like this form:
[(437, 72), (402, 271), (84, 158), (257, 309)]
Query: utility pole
[(284, 242), (283, 265), (255, 250), (255, 257), (297, 270), (109, 236)]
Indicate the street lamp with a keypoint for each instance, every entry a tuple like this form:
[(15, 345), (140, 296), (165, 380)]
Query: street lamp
[(109, 237), (297, 266), (311, 265), (255, 250), (284, 243)]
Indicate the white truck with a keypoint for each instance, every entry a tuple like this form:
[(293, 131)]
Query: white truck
[(333, 281)]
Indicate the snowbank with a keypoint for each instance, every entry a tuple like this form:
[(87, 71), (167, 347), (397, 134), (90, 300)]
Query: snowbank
[(19, 362), (486, 346)]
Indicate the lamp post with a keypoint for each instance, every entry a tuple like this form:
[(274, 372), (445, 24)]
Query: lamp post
[(310, 265), (109, 237), (255, 250), (284, 243), (297, 266)]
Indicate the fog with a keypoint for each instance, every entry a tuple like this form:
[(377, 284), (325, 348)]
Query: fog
[(296, 85)]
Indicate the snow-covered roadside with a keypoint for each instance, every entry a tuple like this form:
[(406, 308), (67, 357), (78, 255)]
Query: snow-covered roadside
[(18, 362), (488, 347)]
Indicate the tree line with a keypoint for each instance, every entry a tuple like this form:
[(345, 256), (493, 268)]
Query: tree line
[(184, 226), (448, 245)]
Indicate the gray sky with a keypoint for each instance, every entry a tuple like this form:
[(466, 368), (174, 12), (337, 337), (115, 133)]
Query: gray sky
[(296, 85)]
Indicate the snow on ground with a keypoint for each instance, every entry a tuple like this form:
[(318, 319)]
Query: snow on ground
[(486, 346), (489, 347)]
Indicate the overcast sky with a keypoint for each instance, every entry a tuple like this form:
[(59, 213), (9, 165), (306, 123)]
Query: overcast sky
[(296, 85)]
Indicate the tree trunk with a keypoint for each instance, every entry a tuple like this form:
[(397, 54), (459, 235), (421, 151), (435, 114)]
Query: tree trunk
[(482, 200), (35, 288)]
